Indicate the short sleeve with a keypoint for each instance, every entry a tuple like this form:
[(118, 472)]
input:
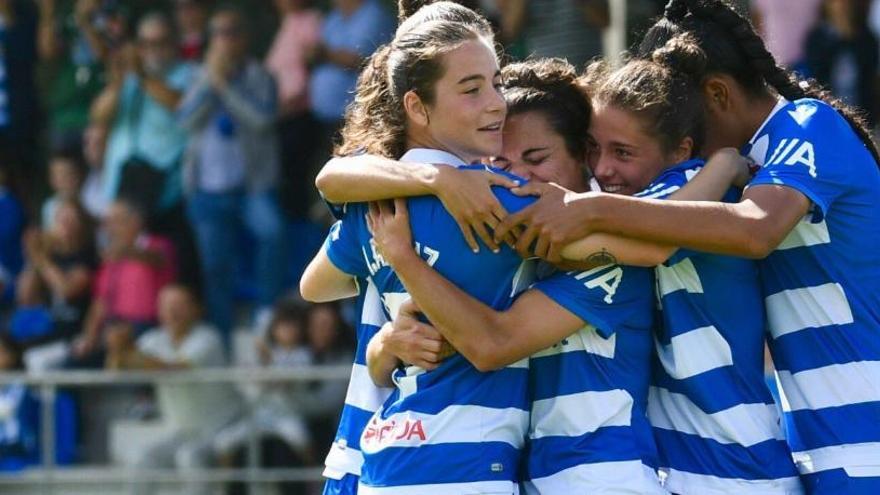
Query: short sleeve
[(811, 154), (204, 349), (343, 246), (606, 297)]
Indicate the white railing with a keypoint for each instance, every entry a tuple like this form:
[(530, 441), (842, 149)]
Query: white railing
[(50, 477)]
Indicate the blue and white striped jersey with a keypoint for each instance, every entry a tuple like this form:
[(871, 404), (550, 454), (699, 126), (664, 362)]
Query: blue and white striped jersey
[(715, 422), (588, 432), (822, 287), (363, 397), (453, 430)]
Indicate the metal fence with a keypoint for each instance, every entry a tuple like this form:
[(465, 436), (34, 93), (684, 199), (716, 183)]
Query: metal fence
[(50, 478)]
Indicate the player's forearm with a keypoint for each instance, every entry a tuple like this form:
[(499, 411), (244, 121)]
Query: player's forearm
[(471, 327), (602, 249), (380, 363), (714, 180), (371, 178)]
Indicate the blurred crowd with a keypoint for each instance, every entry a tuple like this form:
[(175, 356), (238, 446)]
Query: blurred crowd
[(156, 187)]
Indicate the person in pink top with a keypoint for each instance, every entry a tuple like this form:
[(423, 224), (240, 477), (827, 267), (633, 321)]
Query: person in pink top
[(135, 267), (784, 25), (287, 60)]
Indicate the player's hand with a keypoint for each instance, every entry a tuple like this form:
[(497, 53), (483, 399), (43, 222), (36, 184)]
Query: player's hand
[(467, 196), (390, 228), (414, 342), (550, 224), (740, 167)]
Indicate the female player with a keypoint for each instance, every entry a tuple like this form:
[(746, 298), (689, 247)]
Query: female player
[(812, 213), (715, 422), (432, 95), (344, 460)]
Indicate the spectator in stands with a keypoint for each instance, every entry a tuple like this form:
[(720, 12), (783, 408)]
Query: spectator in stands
[(92, 195), (66, 176), (784, 25), (145, 144), (19, 105), (11, 228), (61, 263), (570, 29), (842, 54), (276, 411), (287, 60), (351, 32), (135, 267), (232, 167), (330, 342), (193, 412), (72, 48), (19, 414), (191, 18)]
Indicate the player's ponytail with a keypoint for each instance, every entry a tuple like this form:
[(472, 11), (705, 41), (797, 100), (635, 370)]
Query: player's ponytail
[(733, 47)]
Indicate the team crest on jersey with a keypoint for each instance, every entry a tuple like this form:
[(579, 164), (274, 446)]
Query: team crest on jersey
[(392, 432)]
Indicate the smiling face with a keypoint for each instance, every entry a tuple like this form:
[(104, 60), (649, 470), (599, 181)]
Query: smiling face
[(533, 150), (624, 158), (467, 112)]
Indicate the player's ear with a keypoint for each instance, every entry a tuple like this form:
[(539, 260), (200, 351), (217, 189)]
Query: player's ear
[(415, 108)]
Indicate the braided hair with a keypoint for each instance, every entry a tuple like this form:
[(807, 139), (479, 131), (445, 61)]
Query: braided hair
[(733, 47)]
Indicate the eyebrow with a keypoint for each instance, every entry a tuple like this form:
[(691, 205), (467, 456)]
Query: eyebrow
[(474, 77), (624, 145)]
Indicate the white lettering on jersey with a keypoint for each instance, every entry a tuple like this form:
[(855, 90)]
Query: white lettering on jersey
[(794, 151), (608, 281)]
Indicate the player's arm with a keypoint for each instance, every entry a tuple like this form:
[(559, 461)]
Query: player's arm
[(489, 339), (381, 362), (724, 169), (466, 194), (322, 281)]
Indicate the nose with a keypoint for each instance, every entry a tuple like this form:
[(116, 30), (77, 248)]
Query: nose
[(603, 169), (497, 104)]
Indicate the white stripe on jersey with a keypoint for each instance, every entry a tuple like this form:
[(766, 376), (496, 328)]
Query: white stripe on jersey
[(454, 424), (685, 482), (694, 352), (362, 392), (744, 424), (584, 340), (865, 455), (680, 276), (806, 233), (619, 478), (831, 386), (475, 488), (794, 310), (371, 310), (659, 194), (577, 414), (344, 459)]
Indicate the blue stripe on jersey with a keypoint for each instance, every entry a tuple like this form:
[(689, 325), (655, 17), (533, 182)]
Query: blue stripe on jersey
[(850, 424), (828, 351), (409, 467), (589, 392), (471, 387), (822, 285), (426, 431), (550, 455), (711, 410), (717, 379), (726, 459)]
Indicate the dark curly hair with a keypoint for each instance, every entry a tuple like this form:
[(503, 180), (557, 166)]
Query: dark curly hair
[(550, 86)]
